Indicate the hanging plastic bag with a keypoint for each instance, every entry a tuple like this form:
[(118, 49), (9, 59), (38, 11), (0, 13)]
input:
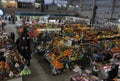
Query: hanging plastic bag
[(25, 71), (67, 66), (11, 74), (17, 65)]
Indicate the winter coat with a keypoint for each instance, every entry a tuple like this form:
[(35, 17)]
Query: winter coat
[(22, 52), (27, 54)]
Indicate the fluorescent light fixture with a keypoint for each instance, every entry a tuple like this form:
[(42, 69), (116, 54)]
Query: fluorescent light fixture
[(119, 20), (64, 5), (70, 6), (12, 1), (59, 5), (77, 6)]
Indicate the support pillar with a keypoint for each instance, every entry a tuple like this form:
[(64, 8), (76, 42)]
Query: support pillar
[(81, 5), (112, 8), (94, 12), (42, 6)]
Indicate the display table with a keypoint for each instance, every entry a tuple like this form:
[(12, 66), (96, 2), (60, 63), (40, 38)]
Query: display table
[(82, 77), (16, 79)]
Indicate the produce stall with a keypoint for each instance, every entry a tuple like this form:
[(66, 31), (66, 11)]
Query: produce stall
[(12, 64), (68, 45), (82, 77), (74, 41)]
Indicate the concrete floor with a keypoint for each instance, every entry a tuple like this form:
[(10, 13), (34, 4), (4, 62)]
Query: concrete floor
[(40, 69)]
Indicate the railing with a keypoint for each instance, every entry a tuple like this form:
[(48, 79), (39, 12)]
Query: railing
[(12, 10)]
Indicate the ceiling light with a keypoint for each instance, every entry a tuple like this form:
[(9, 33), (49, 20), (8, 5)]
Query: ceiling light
[(77, 6), (118, 20), (64, 5), (59, 5), (70, 5)]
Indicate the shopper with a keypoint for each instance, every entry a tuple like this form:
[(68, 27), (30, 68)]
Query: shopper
[(68, 63), (28, 41), (85, 61), (9, 19), (18, 43), (25, 30), (12, 35), (22, 51), (27, 55)]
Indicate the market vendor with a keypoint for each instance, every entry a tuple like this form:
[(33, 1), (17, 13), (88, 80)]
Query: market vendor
[(68, 63), (27, 55)]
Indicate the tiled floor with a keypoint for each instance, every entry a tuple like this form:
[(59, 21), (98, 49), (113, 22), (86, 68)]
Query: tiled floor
[(40, 69)]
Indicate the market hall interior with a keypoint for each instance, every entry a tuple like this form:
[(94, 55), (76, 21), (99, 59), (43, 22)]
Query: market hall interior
[(59, 40)]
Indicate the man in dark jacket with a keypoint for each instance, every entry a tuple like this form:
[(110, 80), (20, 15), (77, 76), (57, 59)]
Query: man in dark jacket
[(12, 35), (18, 43), (27, 55), (22, 51)]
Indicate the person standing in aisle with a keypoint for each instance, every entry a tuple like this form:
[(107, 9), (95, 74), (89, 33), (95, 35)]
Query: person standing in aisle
[(18, 43), (12, 35), (27, 55), (22, 51), (9, 19), (27, 38)]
